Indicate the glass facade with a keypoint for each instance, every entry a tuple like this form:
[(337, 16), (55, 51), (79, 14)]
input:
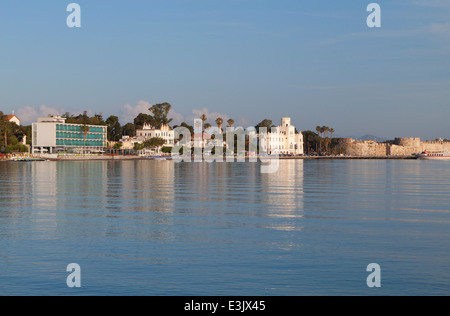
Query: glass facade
[(72, 136)]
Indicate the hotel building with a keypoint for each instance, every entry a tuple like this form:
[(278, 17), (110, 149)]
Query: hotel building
[(52, 135), (285, 140), (165, 132)]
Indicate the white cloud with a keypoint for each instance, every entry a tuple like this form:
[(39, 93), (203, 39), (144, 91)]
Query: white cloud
[(129, 112), (29, 114), (177, 117), (441, 29)]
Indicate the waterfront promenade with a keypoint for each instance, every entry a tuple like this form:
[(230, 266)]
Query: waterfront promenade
[(132, 158)]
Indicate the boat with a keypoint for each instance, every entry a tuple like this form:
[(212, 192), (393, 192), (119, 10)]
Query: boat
[(442, 155), (27, 159)]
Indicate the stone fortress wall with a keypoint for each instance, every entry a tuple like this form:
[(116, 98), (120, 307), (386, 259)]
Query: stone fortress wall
[(397, 147)]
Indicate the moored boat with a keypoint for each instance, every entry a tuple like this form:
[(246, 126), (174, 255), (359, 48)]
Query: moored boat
[(443, 155)]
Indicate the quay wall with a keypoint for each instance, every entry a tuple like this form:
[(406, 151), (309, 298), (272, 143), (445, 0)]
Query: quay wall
[(398, 147)]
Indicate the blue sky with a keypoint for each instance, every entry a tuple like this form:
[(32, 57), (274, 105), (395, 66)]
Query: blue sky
[(316, 61)]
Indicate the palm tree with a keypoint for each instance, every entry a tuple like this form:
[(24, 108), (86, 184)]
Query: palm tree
[(203, 117), (85, 129), (230, 122), (327, 142), (318, 130), (332, 132), (219, 122), (207, 126)]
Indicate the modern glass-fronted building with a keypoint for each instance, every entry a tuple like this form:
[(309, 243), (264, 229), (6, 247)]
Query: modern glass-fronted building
[(53, 135)]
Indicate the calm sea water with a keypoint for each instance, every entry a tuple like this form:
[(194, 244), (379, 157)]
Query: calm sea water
[(160, 228)]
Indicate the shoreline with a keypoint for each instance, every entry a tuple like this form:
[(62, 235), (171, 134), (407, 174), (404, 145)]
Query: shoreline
[(353, 158), (135, 158)]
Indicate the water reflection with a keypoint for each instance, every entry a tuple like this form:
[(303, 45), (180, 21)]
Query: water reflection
[(155, 227), (233, 194), (284, 193), (77, 195)]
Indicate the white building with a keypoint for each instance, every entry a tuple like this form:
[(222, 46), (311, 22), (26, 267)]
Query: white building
[(13, 119), (165, 132), (52, 134), (285, 140)]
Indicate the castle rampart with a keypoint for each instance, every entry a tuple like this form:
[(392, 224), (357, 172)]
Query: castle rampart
[(398, 147)]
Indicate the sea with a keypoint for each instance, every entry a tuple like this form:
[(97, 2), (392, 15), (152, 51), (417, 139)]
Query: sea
[(161, 228)]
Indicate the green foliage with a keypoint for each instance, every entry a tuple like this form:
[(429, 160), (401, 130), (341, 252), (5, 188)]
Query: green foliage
[(219, 121), (166, 150), (264, 123), (17, 148), (138, 146), (11, 133), (117, 146), (189, 127), (114, 129), (129, 130), (143, 119), (154, 142), (97, 119), (311, 141), (320, 141), (85, 129), (160, 113)]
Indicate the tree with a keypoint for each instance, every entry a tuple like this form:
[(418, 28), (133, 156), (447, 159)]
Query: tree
[(189, 127), (219, 122), (154, 142), (230, 122), (129, 129), (138, 146), (85, 129), (203, 118), (144, 119), (83, 118), (327, 142), (207, 126), (10, 132), (319, 130), (114, 129), (160, 113), (311, 141), (264, 123)]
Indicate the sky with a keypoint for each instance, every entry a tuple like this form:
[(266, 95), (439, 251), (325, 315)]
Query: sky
[(315, 61)]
